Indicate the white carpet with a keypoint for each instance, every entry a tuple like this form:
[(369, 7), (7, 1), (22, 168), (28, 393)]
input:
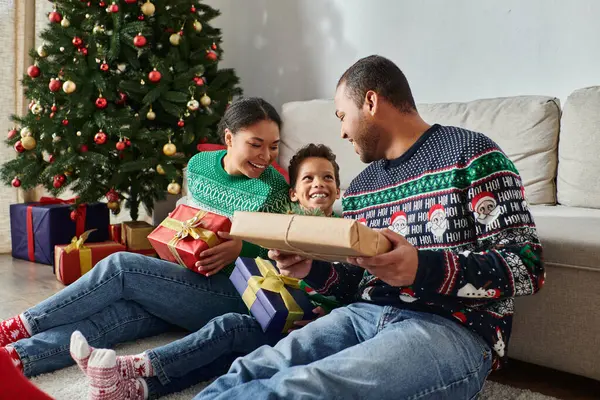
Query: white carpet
[(71, 384)]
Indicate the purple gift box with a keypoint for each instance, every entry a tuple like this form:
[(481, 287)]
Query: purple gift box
[(35, 228), (269, 308)]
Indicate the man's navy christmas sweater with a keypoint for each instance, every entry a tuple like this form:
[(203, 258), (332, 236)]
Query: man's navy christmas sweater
[(460, 201)]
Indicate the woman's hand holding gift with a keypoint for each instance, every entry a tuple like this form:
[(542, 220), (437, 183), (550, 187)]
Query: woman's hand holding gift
[(215, 259)]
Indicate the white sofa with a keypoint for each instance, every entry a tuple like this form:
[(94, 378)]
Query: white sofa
[(558, 157)]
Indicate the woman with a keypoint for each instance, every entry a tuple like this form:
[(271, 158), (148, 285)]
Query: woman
[(128, 296)]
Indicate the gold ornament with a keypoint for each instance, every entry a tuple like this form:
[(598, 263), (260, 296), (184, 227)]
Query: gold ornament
[(193, 105), (69, 172), (197, 26), (113, 205), (98, 29), (37, 109), (25, 132), (151, 116), (28, 143), (42, 52), (175, 39), (65, 23), (174, 188), (69, 87), (169, 149), (205, 100), (160, 170), (148, 9)]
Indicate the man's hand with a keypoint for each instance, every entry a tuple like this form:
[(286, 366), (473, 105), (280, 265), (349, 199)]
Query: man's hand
[(291, 265), (299, 324), (397, 267), (215, 259)]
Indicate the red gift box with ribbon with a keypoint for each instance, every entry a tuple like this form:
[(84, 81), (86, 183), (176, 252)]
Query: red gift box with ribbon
[(74, 260), (186, 233)]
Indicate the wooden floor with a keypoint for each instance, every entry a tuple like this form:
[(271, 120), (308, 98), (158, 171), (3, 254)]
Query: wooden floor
[(24, 284)]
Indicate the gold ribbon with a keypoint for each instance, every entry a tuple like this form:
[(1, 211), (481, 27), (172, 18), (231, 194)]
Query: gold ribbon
[(85, 253), (271, 280), (191, 227)]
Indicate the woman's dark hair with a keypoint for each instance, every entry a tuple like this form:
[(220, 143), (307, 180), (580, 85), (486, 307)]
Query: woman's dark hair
[(308, 151), (246, 112)]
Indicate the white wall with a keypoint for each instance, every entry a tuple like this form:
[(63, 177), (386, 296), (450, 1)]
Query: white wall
[(450, 50)]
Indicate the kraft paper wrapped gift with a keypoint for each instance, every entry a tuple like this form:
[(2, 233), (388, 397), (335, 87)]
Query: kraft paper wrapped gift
[(134, 235), (186, 233), (275, 301), (321, 238)]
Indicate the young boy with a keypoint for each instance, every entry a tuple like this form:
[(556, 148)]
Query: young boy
[(314, 180)]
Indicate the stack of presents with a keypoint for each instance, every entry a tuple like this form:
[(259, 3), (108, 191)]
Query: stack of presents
[(49, 232)]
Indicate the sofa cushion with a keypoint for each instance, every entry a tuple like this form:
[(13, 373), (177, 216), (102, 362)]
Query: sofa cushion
[(570, 236), (579, 150), (525, 127)]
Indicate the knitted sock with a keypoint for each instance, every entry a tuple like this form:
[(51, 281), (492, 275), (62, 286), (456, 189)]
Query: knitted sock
[(13, 384), (105, 382), (80, 350), (13, 329), (135, 366), (14, 356)]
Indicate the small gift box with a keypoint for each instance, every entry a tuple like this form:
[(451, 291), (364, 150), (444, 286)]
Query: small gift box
[(186, 233), (134, 235), (114, 233), (72, 261), (36, 228), (276, 301)]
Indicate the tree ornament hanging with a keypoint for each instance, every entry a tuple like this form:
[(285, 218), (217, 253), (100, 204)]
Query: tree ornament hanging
[(112, 195), (74, 215), (139, 40), (114, 7), (211, 55), (11, 134), (100, 137), (78, 133), (169, 149), (205, 100), (104, 66), (51, 158), (199, 80), (37, 109), (197, 26), (42, 52), (101, 103), (18, 146), (154, 76), (193, 105), (65, 23), (53, 108), (16, 182), (69, 87), (33, 71), (214, 46), (102, 4), (59, 180), (148, 9), (25, 132), (174, 188), (122, 98), (77, 42), (54, 85), (65, 122), (54, 17), (130, 1), (151, 115), (98, 29), (121, 145), (160, 170), (83, 148), (112, 205), (181, 123), (28, 143), (192, 9), (175, 39)]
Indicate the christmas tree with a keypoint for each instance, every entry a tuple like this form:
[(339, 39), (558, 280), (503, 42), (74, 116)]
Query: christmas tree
[(122, 92)]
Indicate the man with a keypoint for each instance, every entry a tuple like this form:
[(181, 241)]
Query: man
[(409, 333)]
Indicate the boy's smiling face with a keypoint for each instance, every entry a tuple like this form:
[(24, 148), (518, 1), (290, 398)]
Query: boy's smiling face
[(316, 186)]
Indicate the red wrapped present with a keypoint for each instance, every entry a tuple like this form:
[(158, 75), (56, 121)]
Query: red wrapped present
[(72, 261), (114, 232), (186, 233)]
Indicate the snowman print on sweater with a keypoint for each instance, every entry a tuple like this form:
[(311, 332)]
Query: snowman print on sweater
[(471, 292)]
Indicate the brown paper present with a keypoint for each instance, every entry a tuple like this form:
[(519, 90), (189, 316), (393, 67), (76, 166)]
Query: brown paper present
[(329, 239), (134, 235)]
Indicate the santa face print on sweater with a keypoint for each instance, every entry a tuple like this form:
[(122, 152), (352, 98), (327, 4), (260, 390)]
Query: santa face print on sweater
[(399, 223), (438, 222), (485, 208)]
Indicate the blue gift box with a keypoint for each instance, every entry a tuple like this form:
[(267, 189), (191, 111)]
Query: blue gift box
[(35, 228), (251, 277)]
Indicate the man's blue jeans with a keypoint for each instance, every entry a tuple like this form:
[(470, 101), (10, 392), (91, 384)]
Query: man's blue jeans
[(363, 351)]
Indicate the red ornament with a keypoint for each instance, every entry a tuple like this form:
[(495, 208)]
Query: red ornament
[(112, 196), (127, 142), (84, 51), (154, 76), (122, 99), (214, 46), (199, 81), (104, 66), (19, 147), (141, 17), (53, 108), (51, 158), (100, 138), (74, 215), (52, 115), (181, 123), (130, 1), (55, 17), (33, 71), (139, 40), (65, 122), (192, 9), (114, 8), (102, 4), (120, 145), (61, 178), (54, 85), (84, 148), (101, 103), (211, 55), (16, 182), (203, 140), (12, 133), (77, 42)]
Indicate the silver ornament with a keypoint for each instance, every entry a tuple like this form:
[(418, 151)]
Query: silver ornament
[(78, 133), (37, 109), (62, 49), (193, 105)]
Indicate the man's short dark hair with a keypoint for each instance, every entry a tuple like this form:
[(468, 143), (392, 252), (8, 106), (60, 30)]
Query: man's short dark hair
[(308, 151), (382, 76)]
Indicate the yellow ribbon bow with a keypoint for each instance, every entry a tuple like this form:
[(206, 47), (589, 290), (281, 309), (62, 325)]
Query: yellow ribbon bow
[(85, 253), (271, 280), (191, 227)]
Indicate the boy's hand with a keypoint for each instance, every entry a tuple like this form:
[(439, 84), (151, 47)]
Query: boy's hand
[(290, 264), (215, 259), (299, 324)]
